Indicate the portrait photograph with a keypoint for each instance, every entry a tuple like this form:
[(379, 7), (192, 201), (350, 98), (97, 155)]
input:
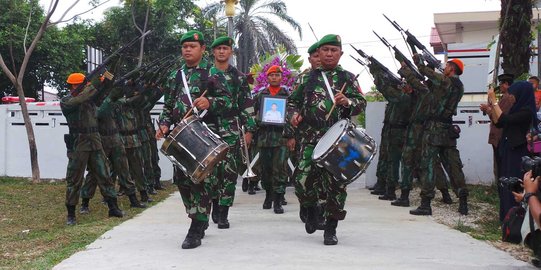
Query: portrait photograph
[(273, 110)]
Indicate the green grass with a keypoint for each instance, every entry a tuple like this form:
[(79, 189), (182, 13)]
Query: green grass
[(33, 234)]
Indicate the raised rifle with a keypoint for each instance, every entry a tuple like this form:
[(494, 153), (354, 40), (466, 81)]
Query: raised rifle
[(373, 61), (402, 58), (415, 43), (101, 67)]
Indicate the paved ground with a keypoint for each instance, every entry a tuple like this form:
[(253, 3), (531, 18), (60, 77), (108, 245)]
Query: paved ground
[(374, 235)]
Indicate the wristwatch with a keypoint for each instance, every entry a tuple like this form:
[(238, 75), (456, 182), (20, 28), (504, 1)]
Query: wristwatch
[(527, 196)]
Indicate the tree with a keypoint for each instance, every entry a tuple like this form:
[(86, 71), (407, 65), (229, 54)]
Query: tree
[(516, 36), (254, 30), (18, 34)]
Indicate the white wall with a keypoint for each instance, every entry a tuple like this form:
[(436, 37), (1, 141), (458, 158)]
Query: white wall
[(475, 152), (49, 128)]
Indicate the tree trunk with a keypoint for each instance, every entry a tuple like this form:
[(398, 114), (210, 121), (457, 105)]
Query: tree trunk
[(30, 132), (142, 46), (516, 36)]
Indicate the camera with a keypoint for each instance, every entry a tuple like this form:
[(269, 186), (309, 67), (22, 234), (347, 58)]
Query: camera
[(511, 184), (533, 164)]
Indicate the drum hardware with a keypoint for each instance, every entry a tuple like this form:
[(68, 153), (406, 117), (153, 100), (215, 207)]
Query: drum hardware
[(201, 138), (341, 91), (244, 153)]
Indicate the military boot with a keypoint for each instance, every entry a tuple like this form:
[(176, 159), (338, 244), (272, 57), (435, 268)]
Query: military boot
[(278, 209), (145, 197), (267, 203), (245, 184), (302, 213), (311, 220), (424, 209), (329, 236), (389, 195), (251, 187), (446, 197), (463, 205), (320, 211), (204, 228), (223, 223), (215, 211), (158, 184), (114, 211), (134, 203), (193, 238), (71, 215), (151, 190), (84, 207), (379, 189), (404, 199)]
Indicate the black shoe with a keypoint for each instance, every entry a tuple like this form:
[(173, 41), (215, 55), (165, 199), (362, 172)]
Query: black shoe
[(329, 236), (84, 207), (193, 238), (378, 191), (134, 203), (114, 211), (158, 185), (244, 184), (215, 214), (463, 205), (388, 197), (424, 209), (278, 209), (302, 214), (223, 223), (145, 197), (204, 228), (404, 200), (70, 220), (446, 197), (311, 220), (251, 187), (151, 190), (267, 203)]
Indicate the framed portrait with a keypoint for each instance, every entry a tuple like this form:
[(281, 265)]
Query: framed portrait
[(273, 110)]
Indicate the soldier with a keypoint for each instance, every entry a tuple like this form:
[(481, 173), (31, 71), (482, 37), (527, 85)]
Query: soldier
[(115, 153), (309, 103), (237, 94), (79, 108), (195, 72), (439, 137), (273, 151)]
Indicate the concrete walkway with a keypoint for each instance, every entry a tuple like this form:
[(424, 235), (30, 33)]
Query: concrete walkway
[(374, 235)]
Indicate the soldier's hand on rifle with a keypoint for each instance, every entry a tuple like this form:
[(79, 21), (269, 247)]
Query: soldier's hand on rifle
[(291, 144), (108, 75), (296, 119), (201, 103), (342, 100), (417, 59)]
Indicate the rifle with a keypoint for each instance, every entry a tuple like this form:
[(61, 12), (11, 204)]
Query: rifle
[(402, 58), (373, 61), (105, 62), (135, 73), (415, 43)]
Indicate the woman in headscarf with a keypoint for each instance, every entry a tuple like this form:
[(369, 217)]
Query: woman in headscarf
[(513, 144)]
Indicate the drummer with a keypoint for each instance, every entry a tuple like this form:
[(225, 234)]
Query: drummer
[(193, 75), (308, 106)]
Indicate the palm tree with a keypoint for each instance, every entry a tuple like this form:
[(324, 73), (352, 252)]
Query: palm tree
[(516, 37), (254, 30)]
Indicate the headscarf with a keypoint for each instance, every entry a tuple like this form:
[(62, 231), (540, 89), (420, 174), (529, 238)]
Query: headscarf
[(524, 97)]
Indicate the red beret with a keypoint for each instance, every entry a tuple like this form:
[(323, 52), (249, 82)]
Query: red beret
[(274, 69)]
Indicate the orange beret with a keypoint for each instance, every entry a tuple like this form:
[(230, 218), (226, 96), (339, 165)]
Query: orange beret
[(274, 69)]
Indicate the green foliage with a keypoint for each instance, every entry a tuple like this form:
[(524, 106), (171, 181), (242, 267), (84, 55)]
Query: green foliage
[(516, 36)]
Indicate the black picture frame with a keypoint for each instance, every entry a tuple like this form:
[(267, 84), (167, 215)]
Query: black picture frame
[(273, 110)]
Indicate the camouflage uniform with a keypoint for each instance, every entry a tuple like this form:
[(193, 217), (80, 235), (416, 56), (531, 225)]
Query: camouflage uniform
[(80, 113), (311, 100), (438, 143), (194, 196), (272, 149)]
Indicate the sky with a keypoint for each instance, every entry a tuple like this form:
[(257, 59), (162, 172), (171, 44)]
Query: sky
[(354, 21)]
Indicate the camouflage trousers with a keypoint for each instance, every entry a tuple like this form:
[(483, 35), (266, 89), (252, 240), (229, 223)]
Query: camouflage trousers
[(135, 161), (274, 168), (411, 152), (227, 173), (383, 165), (116, 157), (436, 151), (195, 197), (394, 155), (312, 180), (155, 160), (148, 169), (97, 165)]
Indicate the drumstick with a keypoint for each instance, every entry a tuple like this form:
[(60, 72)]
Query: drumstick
[(191, 109), (341, 91)]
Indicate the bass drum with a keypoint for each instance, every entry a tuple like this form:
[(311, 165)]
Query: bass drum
[(345, 151), (194, 148)]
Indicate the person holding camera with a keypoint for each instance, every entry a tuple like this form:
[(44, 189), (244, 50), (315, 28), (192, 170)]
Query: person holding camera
[(513, 145)]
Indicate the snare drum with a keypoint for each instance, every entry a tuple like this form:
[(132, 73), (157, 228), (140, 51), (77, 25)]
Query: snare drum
[(194, 148), (344, 151)]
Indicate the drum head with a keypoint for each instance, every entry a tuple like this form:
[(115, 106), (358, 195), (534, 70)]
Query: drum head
[(330, 138)]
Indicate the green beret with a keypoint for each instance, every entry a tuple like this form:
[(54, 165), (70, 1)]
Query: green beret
[(313, 48), (225, 40), (330, 39), (192, 35)]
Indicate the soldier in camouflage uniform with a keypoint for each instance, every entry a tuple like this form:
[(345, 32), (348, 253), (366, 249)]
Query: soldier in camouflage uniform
[(422, 102), (241, 111), (308, 105), (177, 100), (115, 153), (439, 137), (397, 113), (79, 108), (273, 152)]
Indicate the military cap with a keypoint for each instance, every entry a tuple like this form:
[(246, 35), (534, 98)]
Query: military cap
[(192, 35), (274, 69), (506, 77), (330, 39), (224, 40), (313, 48)]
